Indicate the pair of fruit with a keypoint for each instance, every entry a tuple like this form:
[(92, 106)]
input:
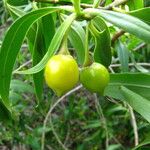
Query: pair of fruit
[(62, 74)]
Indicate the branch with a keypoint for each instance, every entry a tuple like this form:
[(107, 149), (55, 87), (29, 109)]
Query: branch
[(50, 111), (83, 5), (103, 119), (131, 64), (115, 3), (53, 2), (117, 35), (134, 124), (139, 46)]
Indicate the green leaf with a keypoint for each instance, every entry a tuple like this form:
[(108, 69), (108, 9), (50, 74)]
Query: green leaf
[(55, 43), (142, 14), (15, 12), (137, 82), (135, 4), (77, 39), (123, 55), (102, 50), (128, 23), (5, 114), (137, 102), (45, 33), (17, 2), (15, 36)]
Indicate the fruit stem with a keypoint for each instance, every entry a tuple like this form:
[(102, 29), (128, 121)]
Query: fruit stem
[(87, 60), (64, 46)]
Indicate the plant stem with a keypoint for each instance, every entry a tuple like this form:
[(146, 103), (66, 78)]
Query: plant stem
[(76, 4), (103, 119), (87, 56), (64, 46), (50, 111), (55, 134), (132, 64), (134, 124), (115, 3), (117, 35)]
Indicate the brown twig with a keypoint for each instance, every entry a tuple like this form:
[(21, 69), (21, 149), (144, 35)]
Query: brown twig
[(117, 35)]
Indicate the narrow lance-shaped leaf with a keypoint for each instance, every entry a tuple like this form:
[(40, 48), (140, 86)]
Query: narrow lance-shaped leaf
[(45, 33), (123, 55), (55, 43), (11, 46), (127, 22), (140, 104), (17, 13), (137, 82), (102, 50), (77, 39), (17, 2), (5, 114)]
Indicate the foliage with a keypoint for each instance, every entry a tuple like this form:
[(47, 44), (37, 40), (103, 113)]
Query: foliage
[(115, 34)]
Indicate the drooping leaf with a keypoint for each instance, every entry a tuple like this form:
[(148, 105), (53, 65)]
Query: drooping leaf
[(123, 55), (55, 43), (137, 82), (5, 114), (45, 33), (31, 34), (15, 36), (102, 50), (77, 39), (127, 22), (137, 102), (17, 2)]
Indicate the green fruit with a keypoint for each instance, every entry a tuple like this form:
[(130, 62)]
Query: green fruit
[(61, 73), (95, 78)]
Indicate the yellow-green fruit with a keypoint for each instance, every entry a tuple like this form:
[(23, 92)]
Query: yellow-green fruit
[(61, 73), (95, 78)]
